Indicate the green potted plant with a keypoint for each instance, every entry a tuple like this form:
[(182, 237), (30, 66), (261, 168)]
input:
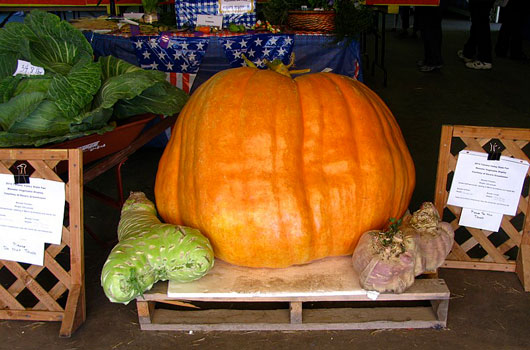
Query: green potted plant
[(150, 10)]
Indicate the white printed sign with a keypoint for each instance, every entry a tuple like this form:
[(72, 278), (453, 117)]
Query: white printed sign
[(480, 219), (489, 185), (34, 211), (234, 7), (26, 68), (210, 21)]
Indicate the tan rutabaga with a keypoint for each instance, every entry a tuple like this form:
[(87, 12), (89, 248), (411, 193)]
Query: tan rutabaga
[(389, 261), (149, 251)]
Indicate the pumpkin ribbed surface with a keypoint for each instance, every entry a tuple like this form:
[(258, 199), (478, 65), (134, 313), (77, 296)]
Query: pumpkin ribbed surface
[(278, 171)]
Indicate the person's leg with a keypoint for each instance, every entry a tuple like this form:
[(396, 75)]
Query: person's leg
[(503, 39), (483, 31), (470, 47)]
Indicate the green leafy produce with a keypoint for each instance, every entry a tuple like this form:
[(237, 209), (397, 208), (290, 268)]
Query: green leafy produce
[(149, 251), (76, 96)]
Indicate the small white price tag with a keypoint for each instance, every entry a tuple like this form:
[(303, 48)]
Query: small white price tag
[(26, 68), (372, 294), (210, 21)]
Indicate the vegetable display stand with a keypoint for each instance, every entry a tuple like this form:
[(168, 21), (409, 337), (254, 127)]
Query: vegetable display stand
[(509, 248), (28, 294), (322, 295)]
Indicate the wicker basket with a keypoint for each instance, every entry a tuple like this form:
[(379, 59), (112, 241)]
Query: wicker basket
[(313, 21)]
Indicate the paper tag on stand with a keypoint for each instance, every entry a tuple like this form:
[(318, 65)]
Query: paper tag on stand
[(210, 21), (34, 210), (26, 68), (490, 185), (480, 219), (22, 249)]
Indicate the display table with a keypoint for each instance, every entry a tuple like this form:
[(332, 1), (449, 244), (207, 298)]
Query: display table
[(65, 5), (315, 51)]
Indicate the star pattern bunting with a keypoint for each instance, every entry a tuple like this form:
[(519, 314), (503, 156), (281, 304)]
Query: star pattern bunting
[(170, 54), (258, 48)]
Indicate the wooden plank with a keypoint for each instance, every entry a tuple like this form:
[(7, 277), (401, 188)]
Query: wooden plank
[(441, 174), (75, 171), (295, 312), (33, 154), (145, 311), (314, 319), (491, 132), (329, 279), (441, 309), (523, 266), (74, 314), (478, 265), (31, 315)]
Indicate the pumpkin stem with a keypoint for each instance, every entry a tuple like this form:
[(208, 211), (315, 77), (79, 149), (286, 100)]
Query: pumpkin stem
[(278, 66), (248, 62)]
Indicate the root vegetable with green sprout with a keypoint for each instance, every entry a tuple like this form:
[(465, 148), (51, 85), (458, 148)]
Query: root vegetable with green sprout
[(149, 251)]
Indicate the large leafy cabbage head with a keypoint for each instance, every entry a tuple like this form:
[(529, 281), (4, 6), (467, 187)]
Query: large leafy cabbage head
[(76, 96)]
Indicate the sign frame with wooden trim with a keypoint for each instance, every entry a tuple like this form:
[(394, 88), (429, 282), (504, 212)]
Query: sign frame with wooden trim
[(63, 300), (511, 252)]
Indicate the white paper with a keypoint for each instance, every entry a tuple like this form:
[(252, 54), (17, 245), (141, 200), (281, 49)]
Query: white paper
[(372, 294), (480, 219), (210, 21), (22, 249), (133, 15), (490, 185), (232, 7), (26, 68), (34, 211)]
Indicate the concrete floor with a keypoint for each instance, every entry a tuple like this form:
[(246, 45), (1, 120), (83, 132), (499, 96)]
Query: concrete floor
[(488, 310)]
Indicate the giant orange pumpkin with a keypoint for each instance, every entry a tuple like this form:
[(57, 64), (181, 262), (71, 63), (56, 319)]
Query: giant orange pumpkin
[(279, 171)]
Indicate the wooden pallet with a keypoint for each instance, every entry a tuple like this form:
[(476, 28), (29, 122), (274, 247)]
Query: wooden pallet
[(508, 249), (323, 295), (15, 296)]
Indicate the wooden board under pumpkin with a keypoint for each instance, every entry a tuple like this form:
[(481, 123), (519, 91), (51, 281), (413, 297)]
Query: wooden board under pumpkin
[(48, 302), (508, 249)]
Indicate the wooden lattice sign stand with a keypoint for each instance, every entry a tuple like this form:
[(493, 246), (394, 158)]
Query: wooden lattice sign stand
[(55, 291), (509, 248)]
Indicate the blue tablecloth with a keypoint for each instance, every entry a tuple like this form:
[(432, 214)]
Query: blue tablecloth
[(317, 52)]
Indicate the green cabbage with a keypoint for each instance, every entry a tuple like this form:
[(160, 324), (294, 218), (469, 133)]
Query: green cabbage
[(76, 96), (149, 251)]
